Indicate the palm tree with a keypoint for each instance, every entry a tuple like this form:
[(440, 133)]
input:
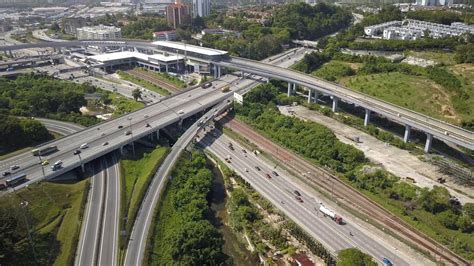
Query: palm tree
[(136, 94)]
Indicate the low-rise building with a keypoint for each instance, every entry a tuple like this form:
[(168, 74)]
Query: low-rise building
[(100, 32), (165, 35), (379, 28)]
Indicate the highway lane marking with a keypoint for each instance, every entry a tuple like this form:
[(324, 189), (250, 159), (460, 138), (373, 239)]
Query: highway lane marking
[(103, 221), (335, 229)]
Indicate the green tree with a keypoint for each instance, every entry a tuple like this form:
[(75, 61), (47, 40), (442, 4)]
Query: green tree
[(354, 257), (468, 208), (464, 223), (136, 94)]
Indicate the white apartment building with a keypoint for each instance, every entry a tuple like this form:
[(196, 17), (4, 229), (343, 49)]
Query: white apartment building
[(411, 29), (379, 28), (100, 32)]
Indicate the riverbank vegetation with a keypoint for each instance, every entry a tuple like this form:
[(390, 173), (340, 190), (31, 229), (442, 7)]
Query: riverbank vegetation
[(433, 211), (183, 233), (264, 228), (40, 224)]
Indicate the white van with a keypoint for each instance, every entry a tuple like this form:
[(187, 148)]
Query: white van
[(84, 146)]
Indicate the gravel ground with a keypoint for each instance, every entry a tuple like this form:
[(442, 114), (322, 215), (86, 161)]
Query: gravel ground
[(397, 161)]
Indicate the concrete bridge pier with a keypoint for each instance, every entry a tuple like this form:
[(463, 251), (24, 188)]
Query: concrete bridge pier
[(218, 71), (367, 117), (310, 92), (429, 141), (121, 149), (180, 123), (406, 137), (335, 101), (83, 168), (158, 134)]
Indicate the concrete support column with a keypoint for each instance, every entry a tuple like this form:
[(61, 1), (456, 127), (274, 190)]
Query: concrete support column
[(294, 87), (335, 100), (83, 168), (166, 67), (180, 123), (406, 137), (310, 92), (367, 117), (121, 149), (215, 71), (158, 134), (289, 89), (151, 136), (429, 141), (315, 96), (218, 71)]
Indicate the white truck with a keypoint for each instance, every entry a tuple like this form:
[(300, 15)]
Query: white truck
[(333, 215)]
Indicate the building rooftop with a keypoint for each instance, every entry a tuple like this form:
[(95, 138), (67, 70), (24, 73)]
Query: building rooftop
[(190, 48), (141, 56)]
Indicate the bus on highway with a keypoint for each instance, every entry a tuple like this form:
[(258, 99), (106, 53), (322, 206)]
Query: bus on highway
[(15, 180), (44, 151)]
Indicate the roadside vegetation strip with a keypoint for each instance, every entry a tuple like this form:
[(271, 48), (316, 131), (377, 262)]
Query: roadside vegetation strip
[(153, 80), (53, 212), (144, 83), (182, 232), (427, 208), (137, 172)]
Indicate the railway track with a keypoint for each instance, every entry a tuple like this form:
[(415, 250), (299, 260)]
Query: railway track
[(151, 78), (351, 197)]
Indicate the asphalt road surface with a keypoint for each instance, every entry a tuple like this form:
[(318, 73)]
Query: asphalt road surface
[(280, 190)]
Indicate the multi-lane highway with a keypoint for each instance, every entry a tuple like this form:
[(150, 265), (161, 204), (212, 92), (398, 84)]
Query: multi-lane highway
[(108, 247), (111, 135), (280, 190), (90, 232)]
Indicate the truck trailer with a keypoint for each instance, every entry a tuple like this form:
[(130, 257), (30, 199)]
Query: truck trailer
[(328, 212)]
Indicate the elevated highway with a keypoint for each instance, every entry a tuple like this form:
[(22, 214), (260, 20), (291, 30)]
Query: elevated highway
[(432, 127), (410, 119)]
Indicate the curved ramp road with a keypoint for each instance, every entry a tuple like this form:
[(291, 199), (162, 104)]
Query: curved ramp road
[(139, 236), (60, 127)]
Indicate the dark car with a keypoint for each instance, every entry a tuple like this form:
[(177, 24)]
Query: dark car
[(147, 125), (297, 193), (258, 168), (105, 143), (274, 173), (387, 262), (76, 152), (120, 126), (268, 176), (298, 198), (6, 173)]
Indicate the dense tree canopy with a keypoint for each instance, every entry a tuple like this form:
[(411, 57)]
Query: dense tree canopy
[(17, 133), (310, 139), (43, 96), (144, 27), (183, 234)]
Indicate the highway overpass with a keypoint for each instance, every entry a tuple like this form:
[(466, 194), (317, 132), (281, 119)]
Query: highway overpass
[(410, 119)]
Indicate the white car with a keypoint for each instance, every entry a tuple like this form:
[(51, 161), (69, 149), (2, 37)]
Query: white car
[(84, 146), (180, 112)]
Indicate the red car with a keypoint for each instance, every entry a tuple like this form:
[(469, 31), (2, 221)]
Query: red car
[(298, 198)]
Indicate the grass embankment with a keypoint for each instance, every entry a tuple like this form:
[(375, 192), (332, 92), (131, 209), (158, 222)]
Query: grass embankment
[(165, 77), (54, 214), (445, 91), (413, 92), (137, 172), (183, 234), (145, 84), (124, 105)]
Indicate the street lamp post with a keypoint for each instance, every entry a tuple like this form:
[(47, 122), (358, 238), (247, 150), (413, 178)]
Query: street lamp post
[(131, 131)]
